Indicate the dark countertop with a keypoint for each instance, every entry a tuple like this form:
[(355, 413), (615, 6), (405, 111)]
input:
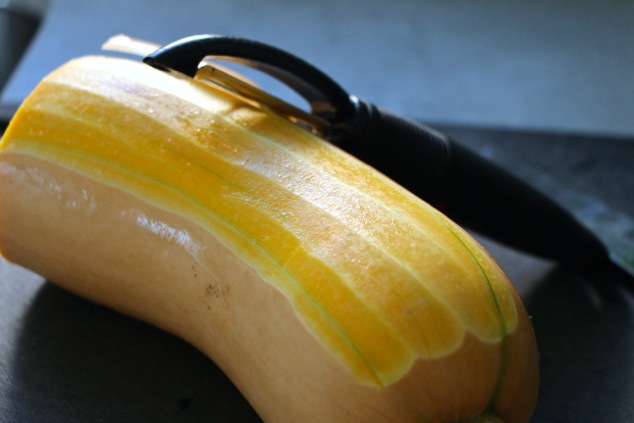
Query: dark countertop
[(65, 359)]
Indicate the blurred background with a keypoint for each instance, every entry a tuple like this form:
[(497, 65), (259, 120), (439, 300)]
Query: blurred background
[(561, 66)]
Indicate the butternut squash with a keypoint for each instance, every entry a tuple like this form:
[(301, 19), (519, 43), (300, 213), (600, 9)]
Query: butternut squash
[(324, 290)]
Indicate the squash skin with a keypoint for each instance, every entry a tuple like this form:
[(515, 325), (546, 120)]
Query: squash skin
[(175, 273)]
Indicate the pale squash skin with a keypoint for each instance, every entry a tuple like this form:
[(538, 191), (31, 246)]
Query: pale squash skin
[(152, 256)]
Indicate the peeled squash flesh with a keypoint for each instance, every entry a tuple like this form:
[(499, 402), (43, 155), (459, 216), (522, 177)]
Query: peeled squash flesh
[(324, 290)]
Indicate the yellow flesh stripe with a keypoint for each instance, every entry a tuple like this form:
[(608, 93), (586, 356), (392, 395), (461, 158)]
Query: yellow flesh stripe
[(275, 194)]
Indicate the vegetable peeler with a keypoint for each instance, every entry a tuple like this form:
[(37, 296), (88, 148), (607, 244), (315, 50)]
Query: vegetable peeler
[(470, 189)]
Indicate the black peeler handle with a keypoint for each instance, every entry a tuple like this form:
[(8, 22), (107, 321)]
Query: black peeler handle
[(471, 190)]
